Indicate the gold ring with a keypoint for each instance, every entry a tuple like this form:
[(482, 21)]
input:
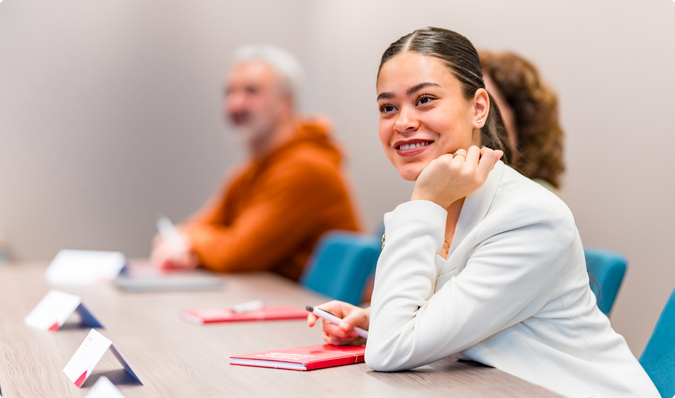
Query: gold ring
[(458, 154)]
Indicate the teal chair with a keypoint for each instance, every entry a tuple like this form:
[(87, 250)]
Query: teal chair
[(658, 358), (606, 270), (340, 265)]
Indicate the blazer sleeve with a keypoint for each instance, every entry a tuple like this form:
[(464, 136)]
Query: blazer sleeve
[(286, 207), (509, 276)]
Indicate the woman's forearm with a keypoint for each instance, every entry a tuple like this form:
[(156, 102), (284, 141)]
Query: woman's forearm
[(507, 279), (404, 281)]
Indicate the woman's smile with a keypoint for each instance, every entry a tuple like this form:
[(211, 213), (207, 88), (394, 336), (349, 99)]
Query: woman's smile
[(412, 147)]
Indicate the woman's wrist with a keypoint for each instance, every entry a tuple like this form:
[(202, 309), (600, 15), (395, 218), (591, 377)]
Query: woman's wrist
[(444, 202)]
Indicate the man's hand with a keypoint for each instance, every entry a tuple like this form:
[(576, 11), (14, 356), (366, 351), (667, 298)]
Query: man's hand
[(343, 333), (168, 256)]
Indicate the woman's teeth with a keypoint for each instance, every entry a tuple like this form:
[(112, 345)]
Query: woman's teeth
[(412, 146)]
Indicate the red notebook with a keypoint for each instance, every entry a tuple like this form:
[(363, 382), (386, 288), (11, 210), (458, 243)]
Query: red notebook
[(212, 315), (303, 358)]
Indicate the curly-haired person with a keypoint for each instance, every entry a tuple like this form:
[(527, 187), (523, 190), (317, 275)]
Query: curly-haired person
[(530, 112)]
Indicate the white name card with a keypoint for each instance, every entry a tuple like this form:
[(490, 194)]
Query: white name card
[(82, 364), (84, 267), (54, 308), (104, 388)]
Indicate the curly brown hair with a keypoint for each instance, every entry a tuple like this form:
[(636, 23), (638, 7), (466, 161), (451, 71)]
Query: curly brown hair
[(539, 151)]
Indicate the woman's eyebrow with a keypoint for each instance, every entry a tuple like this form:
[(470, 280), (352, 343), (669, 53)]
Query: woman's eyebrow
[(410, 91), (385, 96), (420, 86)]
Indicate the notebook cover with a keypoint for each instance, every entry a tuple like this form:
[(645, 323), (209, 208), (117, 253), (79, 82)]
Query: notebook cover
[(312, 356), (213, 315)]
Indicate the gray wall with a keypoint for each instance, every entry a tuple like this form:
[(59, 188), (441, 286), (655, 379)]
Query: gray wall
[(110, 113)]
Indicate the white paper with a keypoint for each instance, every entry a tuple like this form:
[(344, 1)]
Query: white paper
[(84, 267), (104, 388), (82, 364), (53, 310), (92, 349)]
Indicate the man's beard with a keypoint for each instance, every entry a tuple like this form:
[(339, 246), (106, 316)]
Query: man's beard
[(256, 130)]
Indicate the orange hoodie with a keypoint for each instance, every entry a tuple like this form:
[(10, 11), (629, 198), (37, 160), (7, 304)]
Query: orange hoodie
[(273, 210)]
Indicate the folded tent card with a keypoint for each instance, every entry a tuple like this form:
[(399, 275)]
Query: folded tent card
[(55, 308), (84, 267), (92, 349)]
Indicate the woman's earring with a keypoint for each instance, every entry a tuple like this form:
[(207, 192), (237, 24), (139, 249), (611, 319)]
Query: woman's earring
[(479, 121)]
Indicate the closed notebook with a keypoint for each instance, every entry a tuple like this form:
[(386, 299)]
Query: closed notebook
[(214, 315), (303, 358)]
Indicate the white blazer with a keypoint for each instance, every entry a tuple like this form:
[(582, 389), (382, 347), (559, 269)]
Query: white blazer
[(513, 294)]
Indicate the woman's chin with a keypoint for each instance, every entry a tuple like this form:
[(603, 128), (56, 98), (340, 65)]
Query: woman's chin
[(410, 173)]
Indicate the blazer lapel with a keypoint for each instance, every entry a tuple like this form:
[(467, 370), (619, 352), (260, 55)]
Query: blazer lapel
[(476, 206)]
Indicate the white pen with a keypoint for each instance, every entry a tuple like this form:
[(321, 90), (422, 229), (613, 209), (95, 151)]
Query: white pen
[(248, 306), (170, 234), (332, 318)]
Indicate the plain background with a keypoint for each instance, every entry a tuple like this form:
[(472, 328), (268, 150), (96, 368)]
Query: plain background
[(110, 114)]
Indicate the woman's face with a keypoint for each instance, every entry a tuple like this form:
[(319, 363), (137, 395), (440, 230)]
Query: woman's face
[(423, 113)]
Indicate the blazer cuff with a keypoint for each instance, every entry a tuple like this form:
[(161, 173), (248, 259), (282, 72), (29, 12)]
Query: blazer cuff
[(416, 218)]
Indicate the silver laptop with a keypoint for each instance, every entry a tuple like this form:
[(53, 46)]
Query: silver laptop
[(145, 277)]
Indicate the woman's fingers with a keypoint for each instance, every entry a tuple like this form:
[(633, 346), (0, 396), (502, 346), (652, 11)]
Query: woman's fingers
[(358, 317), (334, 307), (488, 161), (460, 154), (333, 334), (499, 153), (343, 333), (473, 155)]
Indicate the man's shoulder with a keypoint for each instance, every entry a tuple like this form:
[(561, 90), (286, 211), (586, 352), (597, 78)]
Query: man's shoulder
[(306, 158)]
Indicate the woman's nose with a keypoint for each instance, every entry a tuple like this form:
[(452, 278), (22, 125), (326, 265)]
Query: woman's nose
[(406, 121)]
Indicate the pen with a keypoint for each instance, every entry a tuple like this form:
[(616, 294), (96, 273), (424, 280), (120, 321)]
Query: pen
[(170, 234), (323, 314)]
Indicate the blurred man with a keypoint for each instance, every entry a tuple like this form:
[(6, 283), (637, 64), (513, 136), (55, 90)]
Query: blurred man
[(275, 206)]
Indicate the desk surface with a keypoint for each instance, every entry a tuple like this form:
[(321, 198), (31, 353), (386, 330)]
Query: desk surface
[(174, 358)]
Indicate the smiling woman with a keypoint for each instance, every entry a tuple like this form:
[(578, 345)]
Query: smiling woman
[(482, 263), (422, 59)]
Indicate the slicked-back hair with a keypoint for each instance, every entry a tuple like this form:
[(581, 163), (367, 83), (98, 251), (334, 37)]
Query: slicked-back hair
[(461, 58)]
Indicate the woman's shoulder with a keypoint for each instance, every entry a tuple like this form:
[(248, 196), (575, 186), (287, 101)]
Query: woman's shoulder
[(523, 201)]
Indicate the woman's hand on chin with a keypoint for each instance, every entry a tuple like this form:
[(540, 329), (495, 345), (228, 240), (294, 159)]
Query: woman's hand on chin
[(449, 178)]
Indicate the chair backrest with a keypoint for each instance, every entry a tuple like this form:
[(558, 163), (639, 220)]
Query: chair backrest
[(606, 270), (658, 358), (341, 264)]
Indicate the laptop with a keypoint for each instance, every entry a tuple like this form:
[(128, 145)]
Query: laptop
[(146, 277)]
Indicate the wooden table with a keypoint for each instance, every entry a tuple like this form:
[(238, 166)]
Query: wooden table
[(174, 358)]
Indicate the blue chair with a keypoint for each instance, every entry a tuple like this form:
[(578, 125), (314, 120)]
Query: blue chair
[(658, 358), (606, 270), (341, 264)]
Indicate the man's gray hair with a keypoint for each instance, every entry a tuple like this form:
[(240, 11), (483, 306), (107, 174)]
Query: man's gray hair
[(284, 64)]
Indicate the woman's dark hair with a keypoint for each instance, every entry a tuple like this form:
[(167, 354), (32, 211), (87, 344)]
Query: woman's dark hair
[(462, 59), (535, 110)]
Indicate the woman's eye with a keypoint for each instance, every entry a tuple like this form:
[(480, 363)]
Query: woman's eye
[(387, 108), (424, 99)]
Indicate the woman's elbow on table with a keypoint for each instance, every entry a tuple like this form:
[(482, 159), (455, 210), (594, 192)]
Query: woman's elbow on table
[(386, 358)]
